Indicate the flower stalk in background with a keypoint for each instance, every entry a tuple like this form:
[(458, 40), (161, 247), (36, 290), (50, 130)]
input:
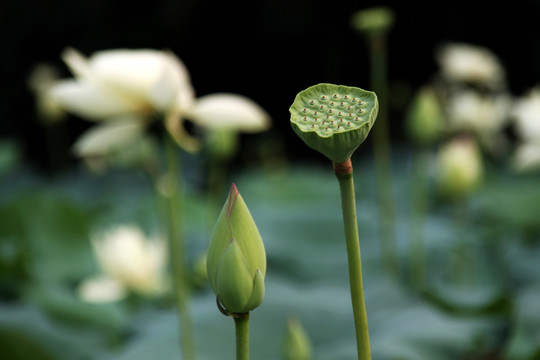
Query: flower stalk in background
[(375, 24), (335, 120), (236, 267), (130, 262), (425, 125)]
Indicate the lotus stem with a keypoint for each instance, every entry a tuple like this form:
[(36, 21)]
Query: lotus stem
[(344, 173), (177, 249), (382, 152), (241, 324)]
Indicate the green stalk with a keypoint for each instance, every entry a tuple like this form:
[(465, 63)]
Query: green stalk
[(382, 152), (344, 173), (177, 249), (241, 324), (417, 251)]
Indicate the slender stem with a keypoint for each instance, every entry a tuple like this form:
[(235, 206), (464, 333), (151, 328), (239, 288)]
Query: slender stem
[(344, 173), (382, 152), (241, 324), (417, 250), (178, 253)]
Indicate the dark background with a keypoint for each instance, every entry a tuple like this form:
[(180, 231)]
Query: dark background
[(267, 50)]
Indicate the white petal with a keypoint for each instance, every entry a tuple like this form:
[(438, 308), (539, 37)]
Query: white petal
[(173, 87), (133, 73), (101, 289), (108, 137), (186, 94), (87, 100), (229, 111), (77, 63)]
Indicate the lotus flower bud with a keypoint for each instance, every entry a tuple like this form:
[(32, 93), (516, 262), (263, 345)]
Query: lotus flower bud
[(334, 119), (297, 343), (236, 259), (425, 120), (460, 167)]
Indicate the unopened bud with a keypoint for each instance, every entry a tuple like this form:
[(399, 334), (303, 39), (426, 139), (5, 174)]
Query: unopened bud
[(459, 167), (297, 344), (236, 260)]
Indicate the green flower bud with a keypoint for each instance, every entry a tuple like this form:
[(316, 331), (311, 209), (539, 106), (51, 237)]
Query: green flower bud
[(297, 344), (459, 167), (236, 260), (334, 119), (425, 119)]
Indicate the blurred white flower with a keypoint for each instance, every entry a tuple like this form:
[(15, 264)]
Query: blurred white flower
[(459, 167), (470, 63), (101, 289), (471, 111), (526, 113), (120, 82), (130, 260), (124, 89)]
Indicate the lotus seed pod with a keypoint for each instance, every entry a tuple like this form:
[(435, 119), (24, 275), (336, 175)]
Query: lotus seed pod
[(425, 119), (459, 167), (236, 259), (334, 119), (297, 344), (373, 20)]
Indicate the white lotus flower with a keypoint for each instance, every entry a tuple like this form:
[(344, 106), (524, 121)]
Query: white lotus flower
[(119, 82), (130, 261), (470, 63), (471, 111), (526, 114), (124, 89)]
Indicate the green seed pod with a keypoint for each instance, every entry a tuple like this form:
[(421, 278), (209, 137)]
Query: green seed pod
[(297, 345), (236, 260), (372, 20), (334, 119)]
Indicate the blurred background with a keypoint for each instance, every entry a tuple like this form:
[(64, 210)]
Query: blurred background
[(449, 224), (267, 50)]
